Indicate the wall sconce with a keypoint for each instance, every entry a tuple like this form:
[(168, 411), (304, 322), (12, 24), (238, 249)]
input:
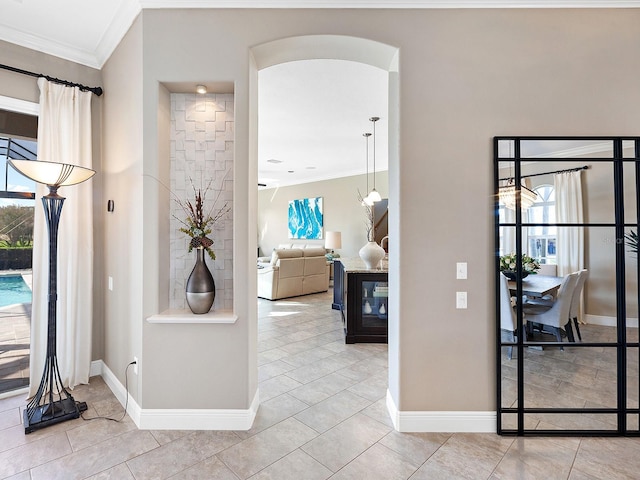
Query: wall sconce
[(201, 89)]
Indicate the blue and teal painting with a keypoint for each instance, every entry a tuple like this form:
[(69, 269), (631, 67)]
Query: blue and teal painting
[(306, 218)]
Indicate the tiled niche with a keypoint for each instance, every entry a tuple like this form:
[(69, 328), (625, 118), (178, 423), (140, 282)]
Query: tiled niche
[(202, 134)]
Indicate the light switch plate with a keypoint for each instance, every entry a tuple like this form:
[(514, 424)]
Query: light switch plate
[(461, 270), (461, 299)]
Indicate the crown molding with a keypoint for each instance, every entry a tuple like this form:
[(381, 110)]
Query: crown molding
[(591, 149), (129, 10), (117, 29), (48, 46)]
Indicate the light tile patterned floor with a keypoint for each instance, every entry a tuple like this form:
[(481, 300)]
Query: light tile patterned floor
[(323, 416), (15, 328)]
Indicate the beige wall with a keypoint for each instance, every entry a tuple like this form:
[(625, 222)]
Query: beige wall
[(465, 76), (342, 212), (124, 230)]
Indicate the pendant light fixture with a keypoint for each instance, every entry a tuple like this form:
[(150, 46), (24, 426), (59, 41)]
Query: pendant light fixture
[(365, 200), (374, 196), (507, 194)]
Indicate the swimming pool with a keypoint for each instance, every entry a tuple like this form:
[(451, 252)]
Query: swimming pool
[(13, 290)]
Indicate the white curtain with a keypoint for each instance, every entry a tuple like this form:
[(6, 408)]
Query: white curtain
[(570, 248), (509, 235), (64, 135)]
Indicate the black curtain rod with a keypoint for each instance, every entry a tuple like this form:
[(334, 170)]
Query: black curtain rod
[(95, 90), (577, 169)]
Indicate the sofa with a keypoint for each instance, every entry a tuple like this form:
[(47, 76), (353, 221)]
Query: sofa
[(288, 246), (292, 272)]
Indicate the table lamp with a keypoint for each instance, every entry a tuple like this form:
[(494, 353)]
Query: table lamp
[(332, 242), (43, 409)]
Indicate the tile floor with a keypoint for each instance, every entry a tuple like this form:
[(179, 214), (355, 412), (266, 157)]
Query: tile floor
[(322, 415), (15, 328)]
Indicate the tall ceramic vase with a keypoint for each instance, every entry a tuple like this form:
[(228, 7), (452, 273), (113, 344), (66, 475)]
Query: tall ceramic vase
[(201, 289), (371, 254)]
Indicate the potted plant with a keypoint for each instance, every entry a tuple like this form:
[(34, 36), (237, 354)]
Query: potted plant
[(509, 265), (200, 289)]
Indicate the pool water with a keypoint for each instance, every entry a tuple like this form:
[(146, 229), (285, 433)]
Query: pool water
[(13, 290)]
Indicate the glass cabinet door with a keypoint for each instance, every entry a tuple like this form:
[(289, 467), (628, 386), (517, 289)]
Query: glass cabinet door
[(374, 303)]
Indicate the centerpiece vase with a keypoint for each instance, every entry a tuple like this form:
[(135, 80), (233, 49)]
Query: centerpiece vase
[(201, 289), (511, 275), (371, 254)]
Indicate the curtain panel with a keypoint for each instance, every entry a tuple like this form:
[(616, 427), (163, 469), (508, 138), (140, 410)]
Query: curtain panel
[(64, 135), (570, 256)]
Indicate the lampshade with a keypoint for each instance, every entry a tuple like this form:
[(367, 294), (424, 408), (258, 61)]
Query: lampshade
[(508, 194), (333, 240), (373, 196), (52, 173)]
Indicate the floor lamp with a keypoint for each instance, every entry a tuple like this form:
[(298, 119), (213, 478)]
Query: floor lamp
[(44, 409)]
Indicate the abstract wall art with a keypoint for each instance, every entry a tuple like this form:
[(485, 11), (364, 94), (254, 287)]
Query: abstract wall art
[(306, 218)]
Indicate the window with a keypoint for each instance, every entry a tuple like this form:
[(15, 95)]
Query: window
[(542, 239), (13, 184)]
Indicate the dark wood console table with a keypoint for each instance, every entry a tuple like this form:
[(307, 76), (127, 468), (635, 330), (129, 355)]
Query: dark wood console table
[(362, 297)]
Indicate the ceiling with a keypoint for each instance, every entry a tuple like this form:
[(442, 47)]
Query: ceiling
[(312, 114), (311, 118)]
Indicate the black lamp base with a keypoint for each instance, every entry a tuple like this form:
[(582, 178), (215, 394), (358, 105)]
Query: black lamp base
[(52, 413)]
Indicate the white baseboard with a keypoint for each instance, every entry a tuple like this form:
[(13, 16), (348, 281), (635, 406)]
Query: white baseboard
[(428, 421), (178, 419), (608, 321), (200, 419), (98, 367)]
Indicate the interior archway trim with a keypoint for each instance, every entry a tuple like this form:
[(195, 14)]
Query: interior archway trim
[(334, 47)]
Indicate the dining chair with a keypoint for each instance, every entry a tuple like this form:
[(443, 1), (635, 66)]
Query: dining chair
[(508, 319), (556, 317), (575, 300)]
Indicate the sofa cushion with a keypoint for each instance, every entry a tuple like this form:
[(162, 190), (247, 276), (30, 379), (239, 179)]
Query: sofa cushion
[(314, 252), (279, 253), (315, 262)]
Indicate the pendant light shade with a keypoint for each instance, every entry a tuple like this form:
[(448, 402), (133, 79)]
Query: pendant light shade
[(366, 200), (374, 196)]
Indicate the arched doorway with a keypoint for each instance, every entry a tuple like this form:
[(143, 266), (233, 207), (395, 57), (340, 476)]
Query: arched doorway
[(356, 50)]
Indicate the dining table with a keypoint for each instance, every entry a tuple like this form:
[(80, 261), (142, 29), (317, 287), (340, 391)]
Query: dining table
[(535, 285)]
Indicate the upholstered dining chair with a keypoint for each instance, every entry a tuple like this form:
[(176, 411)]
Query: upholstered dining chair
[(508, 320), (556, 317), (575, 300)]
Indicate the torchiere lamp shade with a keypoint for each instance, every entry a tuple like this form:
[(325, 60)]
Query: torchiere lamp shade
[(52, 173)]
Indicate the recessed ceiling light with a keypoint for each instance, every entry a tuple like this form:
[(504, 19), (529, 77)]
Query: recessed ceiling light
[(311, 168), (273, 160)]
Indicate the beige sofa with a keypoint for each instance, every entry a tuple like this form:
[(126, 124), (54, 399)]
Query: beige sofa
[(283, 246), (292, 272)]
